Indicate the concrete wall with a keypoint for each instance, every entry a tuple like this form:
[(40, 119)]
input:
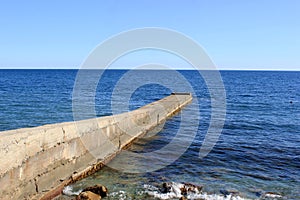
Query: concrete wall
[(34, 161)]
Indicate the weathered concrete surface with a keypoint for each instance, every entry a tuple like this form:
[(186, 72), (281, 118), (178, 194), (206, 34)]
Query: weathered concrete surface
[(34, 161)]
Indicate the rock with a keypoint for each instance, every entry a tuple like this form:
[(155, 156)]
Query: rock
[(88, 195), (182, 188), (190, 188), (97, 189), (172, 187), (229, 192), (166, 187), (183, 198)]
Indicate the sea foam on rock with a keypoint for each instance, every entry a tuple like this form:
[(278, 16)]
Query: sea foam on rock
[(180, 188), (272, 195), (175, 190), (169, 190)]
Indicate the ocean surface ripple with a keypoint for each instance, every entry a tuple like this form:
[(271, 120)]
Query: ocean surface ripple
[(258, 151)]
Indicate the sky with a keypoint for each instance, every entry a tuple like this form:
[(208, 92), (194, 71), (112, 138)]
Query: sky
[(239, 35)]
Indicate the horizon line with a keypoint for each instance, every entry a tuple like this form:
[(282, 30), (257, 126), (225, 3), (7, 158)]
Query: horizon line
[(181, 69)]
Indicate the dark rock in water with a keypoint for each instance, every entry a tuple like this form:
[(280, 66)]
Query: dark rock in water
[(256, 191), (97, 189), (88, 195), (166, 187), (258, 194), (229, 192), (183, 198)]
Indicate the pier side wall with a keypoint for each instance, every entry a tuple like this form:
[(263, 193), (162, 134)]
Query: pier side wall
[(36, 162)]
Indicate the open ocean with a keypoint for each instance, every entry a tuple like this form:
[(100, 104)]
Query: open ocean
[(257, 153)]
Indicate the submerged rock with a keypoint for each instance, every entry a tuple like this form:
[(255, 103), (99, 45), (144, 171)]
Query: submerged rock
[(229, 192), (97, 189), (88, 195)]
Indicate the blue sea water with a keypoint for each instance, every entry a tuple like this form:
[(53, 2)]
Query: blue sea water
[(257, 152)]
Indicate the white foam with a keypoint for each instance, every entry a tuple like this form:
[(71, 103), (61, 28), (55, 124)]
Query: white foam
[(159, 195), (68, 190), (120, 194), (215, 197), (154, 191), (272, 195), (175, 192)]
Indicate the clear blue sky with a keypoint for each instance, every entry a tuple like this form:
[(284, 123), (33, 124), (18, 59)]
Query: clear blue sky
[(252, 34)]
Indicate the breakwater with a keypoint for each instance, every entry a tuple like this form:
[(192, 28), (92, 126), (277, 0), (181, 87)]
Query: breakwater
[(35, 163)]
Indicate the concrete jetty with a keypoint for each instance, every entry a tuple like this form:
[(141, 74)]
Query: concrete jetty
[(36, 163)]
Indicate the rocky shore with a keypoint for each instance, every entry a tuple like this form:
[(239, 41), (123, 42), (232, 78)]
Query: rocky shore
[(168, 190)]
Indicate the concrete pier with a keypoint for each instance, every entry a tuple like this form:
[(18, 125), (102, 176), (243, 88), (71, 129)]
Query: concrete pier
[(36, 163)]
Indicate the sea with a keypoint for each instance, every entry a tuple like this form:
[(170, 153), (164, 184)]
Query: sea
[(256, 155)]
